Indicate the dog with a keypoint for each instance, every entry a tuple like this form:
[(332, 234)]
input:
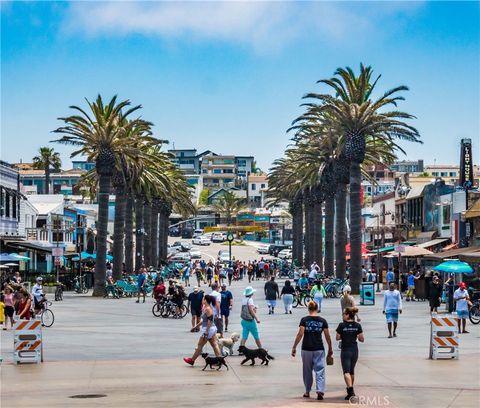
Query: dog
[(213, 360), (228, 343), (250, 354)]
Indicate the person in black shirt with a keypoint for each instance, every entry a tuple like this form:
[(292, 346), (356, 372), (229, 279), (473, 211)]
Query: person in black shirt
[(195, 305), (349, 331), (287, 292), (271, 294), (313, 351)]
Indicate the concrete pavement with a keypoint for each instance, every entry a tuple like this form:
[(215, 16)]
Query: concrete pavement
[(119, 349)]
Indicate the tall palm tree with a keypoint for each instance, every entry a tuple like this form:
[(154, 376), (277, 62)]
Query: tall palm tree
[(47, 160), (229, 205), (98, 135), (356, 118)]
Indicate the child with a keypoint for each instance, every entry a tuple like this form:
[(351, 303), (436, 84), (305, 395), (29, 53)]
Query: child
[(2, 312)]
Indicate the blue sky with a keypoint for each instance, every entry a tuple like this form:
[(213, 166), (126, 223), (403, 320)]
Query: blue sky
[(230, 76)]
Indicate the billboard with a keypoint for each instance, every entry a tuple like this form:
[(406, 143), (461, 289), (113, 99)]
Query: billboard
[(466, 164)]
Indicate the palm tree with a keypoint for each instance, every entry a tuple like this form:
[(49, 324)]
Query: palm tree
[(47, 160), (356, 118), (99, 136), (229, 205)]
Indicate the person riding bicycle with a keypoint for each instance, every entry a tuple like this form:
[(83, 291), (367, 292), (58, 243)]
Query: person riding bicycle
[(302, 283), (38, 295)]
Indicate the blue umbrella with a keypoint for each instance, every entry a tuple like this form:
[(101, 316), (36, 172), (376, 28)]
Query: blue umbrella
[(20, 257), (454, 266), (8, 258)]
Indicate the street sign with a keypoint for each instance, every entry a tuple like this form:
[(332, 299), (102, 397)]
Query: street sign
[(400, 248), (58, 261), (57, 251)]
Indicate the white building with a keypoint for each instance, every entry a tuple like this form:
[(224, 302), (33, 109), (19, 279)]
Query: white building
[(257, 186)]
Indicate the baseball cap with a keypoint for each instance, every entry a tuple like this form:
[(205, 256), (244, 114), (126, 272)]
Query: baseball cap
[(462, 285)]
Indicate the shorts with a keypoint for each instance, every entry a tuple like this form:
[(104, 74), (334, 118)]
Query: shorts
[(462, 314), (391, 315), (249, 326), (349, 359), (9, 311), (211, 332), (225, 311), (141, 290), (271, 303), (196, 312)]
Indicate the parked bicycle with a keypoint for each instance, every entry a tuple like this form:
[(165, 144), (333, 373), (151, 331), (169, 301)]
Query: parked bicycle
[(79, 285), (334, 287), (474, 312)]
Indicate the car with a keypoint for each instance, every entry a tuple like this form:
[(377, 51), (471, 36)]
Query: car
[(177, 245), (195, 253), (185, 246), (181, 257), (208, 235), (172, 249), (263, 249), (275, 249), (197, 233), (285, 253), (201, 240), (187, 233), (224, 256), (174, 232), (219, 237)]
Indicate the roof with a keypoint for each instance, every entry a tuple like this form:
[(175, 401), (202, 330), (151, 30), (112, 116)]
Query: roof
[(439, 166), (454, 253), (433, 242), (470, 256), (255, 177), (415, 192), (47, 203), (425, 236), (474, 210)]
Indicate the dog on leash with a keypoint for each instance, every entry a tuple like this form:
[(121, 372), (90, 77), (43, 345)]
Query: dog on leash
[(224, 343), (251, 355), (213, 361)]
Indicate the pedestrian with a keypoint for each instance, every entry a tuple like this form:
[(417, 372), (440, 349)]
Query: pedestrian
[(364, 274), (159, 290), (318, 293), (296, 274), (109, 272), (462, 301), (348, 332), (141, 283), (249, 319), (311, 329), (207, 332), (435, 293), (271, 294), (250, 272), (9, 301), (303, 282), (390, 277), (186, 274), (195, 300), (198, 275), (410, 287), (24, 305), (230, 271), (2, 311), (287, 293), (209, 274), (348, 301), (217, 313), (226, 305), (392, 306)]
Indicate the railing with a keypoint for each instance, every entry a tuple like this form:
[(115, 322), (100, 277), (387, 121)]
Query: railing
[(42, 234)]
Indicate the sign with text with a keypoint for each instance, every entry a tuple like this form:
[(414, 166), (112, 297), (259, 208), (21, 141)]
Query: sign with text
[(466, 164), (400, 248), (57, 251)]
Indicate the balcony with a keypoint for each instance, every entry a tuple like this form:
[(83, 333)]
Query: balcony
[(45, 235)]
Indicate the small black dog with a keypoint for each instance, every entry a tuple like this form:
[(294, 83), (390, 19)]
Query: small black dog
[(250, 354), (213, 360)]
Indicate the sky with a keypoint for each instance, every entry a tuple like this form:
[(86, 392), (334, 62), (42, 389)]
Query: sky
[(230, 76)]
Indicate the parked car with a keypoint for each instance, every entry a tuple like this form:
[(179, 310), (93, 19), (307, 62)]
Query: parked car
[(197, 233), (195, 253), (186, 246), (201, 240), (219, 237), (263, 249), (174, 232), (285, 253), (224, 255), (172, 249), (275, 249), (177, 245), (187, 233), (181, 257)]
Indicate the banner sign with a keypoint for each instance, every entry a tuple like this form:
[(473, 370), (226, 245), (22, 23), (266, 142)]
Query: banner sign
[(466, 164)]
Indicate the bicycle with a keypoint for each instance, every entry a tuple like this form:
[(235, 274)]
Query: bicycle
[(46, 315), (59, 293), (79, 285), (169, 308), (302, 298), (474, 312)]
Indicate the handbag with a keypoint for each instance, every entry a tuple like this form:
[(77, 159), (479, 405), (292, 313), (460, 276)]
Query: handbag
[(329, 360)]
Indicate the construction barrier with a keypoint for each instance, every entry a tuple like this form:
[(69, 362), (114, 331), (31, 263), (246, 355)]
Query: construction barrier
[(27, 341), (443, 337)]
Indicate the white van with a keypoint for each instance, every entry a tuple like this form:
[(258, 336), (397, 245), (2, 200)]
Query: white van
[(219, 237), (197, 233)]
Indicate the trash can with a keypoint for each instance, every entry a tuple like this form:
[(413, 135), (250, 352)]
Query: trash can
[(367, 293)]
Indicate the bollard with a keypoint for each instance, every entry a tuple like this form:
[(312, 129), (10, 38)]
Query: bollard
[(443, 337), (27, 341)]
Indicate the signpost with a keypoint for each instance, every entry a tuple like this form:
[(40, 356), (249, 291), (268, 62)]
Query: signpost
[(230, 240)]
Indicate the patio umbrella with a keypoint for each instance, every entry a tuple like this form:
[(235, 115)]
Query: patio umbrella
[(20, 257), (454, 266), (7, 258), (11, 264), (412, 251), (3, 267)]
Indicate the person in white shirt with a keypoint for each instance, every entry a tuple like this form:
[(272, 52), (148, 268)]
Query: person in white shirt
[(37, 294), (217, 317), (392, 306), (461, 306)]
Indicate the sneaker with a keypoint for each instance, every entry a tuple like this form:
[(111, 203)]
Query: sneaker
[(319, 396), (290, 312), (188, 360)]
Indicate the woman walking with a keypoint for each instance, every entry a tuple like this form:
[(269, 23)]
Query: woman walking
[(348, 332), (347, 300), (207, 332), (249, 317), (9, 301), (313, 351), (24, 305), (392, 306), (318, 293), (435, 293), (287, 293)]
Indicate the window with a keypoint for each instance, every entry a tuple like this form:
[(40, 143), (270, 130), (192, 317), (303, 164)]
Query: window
[(453, 174), (241, 163), (444, 174), (215, 181), (228, 171), (217, 171), (228, 180), (2, 202), (7, 205), (254, 187), (262, 185), (204, 171), (435, 173)]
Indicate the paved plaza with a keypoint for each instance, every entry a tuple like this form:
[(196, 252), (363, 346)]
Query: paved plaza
[(118, 349)]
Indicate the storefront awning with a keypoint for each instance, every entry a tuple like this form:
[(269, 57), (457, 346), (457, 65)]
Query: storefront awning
[(473, 211), (433, 242), (29, 245), (470, 257), (454, 253), (425, 236)]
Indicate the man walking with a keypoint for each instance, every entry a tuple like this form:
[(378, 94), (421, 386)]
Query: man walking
[(195, 305), (141, 282), (226, 305), (461, 306), (217, 314), (271, 294)]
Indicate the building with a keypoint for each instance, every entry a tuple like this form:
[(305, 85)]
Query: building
[(407, 166), (380, 223), (186, 160), (10, 198), (82, 165), (450, 173), (63, 182), (381, 181), (257, 187), (218, 171), (244, 165)]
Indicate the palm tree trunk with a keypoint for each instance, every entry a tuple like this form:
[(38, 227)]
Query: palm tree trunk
[(355, 228), (162, 252), (138, 232), (340, 230), (47, 180), (317, 234), (129, 235), (154, 236), (102, 225), (329, 238), (119, 231), (166, 225), (297, 231), (147, 224), (309, 228)]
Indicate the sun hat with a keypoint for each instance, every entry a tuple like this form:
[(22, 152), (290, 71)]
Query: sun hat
[(248, 291), (347, 288)]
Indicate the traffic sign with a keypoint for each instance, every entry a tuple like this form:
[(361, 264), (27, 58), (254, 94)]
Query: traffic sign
[(58, 261), (57, 251)]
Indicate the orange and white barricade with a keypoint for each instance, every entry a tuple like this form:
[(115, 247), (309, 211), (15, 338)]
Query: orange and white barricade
[(27, 341), (443, 337)]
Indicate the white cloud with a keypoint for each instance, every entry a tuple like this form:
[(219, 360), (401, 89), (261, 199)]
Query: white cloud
[(261, 24)]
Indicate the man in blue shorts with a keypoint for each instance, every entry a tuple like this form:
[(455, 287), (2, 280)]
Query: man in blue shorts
[(226, 304)]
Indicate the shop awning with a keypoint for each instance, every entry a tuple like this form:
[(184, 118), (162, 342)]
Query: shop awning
[(470, 256), (473, 211), (433, 242), (29, 245), (454, 253), (425, 236)]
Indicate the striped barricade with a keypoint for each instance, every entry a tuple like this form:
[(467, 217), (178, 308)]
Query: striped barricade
[(27, 341), (443, 337)]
